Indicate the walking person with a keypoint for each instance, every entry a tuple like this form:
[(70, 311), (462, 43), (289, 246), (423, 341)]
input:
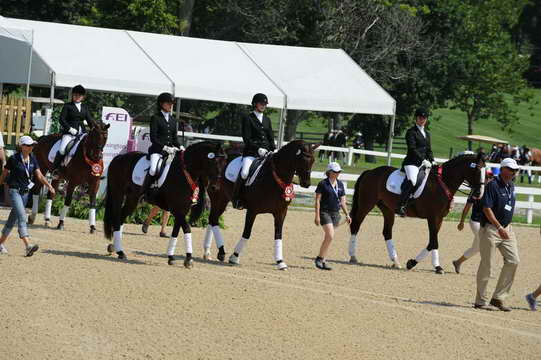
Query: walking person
[(531, 298), (330, 198), (497, 233), (20, 172), (165, 219)]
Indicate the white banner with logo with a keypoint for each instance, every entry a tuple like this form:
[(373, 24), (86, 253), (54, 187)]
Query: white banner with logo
[(119, 132)]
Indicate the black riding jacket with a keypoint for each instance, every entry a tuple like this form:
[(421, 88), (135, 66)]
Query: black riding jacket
[(256, 134)]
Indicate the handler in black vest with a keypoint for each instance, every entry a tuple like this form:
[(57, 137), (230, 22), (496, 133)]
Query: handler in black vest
[(72, 121), (419, 154), (258, 141), (163, 137)]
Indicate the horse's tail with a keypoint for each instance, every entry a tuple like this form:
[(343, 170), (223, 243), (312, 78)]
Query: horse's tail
[(108, 216), (198, 208), (355, 204)]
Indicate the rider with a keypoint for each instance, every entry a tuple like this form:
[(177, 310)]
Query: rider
[(163, 136), (419, 154), (258, 141), (72, 121)]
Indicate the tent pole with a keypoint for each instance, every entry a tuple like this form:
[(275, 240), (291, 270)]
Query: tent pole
[(283, 119), (51, 104), (177, 115), (30, 66), (1, 89), (390, 141)]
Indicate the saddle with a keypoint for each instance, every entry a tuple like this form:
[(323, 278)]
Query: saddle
[(71, 148), (142, 167), (233, 169), (397, 177)]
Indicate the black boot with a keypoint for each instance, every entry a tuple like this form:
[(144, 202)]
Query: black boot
[(149, 193), (57, 162), (236, 200), (406, 189)]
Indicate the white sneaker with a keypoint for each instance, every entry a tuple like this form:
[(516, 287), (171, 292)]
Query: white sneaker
[(234, 260), (3, 249)]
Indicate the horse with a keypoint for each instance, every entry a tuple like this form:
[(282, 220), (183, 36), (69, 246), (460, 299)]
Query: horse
[(535, 156), (433, 204), (271, 192), (190, 170), (85, 168)]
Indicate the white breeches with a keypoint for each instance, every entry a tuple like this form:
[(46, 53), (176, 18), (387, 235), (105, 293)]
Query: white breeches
[(411, 173), (246, 163), (475, 227), (154, 158), (66, 138)]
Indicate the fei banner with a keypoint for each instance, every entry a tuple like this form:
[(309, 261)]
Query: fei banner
[(119, 132)]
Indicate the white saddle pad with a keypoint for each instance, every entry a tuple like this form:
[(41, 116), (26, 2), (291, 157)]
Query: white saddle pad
[(67, 159), (233, 170), (394, 183), (143, 165)]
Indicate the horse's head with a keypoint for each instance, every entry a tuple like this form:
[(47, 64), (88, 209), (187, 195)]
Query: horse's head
[(301, 156), (475, 173), (96, 140), (207, 158)]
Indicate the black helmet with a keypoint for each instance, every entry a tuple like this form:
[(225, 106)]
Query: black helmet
[(260, 98), (421, 112), (78, 89), (165, 98)]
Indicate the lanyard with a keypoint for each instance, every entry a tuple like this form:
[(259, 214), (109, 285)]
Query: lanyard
[(335, 190), (26, 168)]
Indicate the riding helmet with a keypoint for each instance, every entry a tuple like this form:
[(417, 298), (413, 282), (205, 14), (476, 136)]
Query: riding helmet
[(421, 112), (165, 98), (78, 89), (260, 98)]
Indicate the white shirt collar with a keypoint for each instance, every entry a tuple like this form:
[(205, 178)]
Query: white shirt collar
[(166, 115), (259, 116), (78, 105), (421, 129)]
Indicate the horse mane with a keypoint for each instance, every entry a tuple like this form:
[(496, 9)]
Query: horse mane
[(294, 144)]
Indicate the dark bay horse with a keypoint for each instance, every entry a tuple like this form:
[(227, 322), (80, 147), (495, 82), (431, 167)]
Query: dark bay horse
[(433, 204), (266, 195), (190, 170), (85, 168)]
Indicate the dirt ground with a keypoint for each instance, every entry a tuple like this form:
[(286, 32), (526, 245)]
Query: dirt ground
[(71, 300)]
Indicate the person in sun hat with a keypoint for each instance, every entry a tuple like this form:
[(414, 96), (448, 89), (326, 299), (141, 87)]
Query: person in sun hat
[(330, 198), (20, 172)]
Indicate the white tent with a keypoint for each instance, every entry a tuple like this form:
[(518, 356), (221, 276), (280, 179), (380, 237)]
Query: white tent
[(143, 63)]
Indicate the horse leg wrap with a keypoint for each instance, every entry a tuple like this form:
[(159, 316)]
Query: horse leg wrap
[(172, 246), (117, 236), (278, 256), (424, 253), (64, 212), (35, 204), (92, 217), (218, 236), (48, 207), (353, 245), (391, 250), (435, 258), (240, 245), (188, 241), (208, 238)]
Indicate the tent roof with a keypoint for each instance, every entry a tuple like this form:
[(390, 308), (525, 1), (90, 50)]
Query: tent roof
[(144, 63), (482, 138)]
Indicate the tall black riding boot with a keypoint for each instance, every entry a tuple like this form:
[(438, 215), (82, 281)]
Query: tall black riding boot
[(236, 200), (407, 187), (148, 191), (57, 163)]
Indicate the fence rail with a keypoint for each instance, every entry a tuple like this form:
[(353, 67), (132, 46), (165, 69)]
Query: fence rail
[(15, 118)]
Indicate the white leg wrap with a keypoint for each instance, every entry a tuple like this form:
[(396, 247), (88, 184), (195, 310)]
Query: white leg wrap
[(424, 253), (240, 245), (218, 236), (64, 212), (117, 236), (391, 250), (353, 245), (208, 238), (35, 204), (48, 207), (188, 241), (172, 246), (92, 217), (435, 257), (278, 250)]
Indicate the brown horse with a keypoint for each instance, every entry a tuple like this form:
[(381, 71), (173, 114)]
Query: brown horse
[(535, 157), (189, 171), (85, 168), (433, 204), (268, 194)]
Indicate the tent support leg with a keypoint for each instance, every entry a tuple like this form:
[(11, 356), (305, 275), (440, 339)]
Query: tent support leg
[(390, 141), (51, 104), (283, 119)]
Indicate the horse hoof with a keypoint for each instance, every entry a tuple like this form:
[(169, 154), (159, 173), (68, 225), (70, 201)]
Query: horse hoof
[(353, 260), (144, 228), (121, 255), (282, 266), (411, 264), (234, 260), (188, 263), (171, 260), (207, 256), (110, 249), (47, 222), (60, 225), (92, 229), (31, 219), (439, 270), (221, 254)]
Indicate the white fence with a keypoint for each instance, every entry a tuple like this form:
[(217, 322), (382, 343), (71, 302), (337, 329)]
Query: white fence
[(529, 205)]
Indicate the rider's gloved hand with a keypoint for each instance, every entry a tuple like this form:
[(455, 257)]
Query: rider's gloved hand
[(262, 152), (72, 131), (169, 149), (434, 163), (427, 164), (181, 148)]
